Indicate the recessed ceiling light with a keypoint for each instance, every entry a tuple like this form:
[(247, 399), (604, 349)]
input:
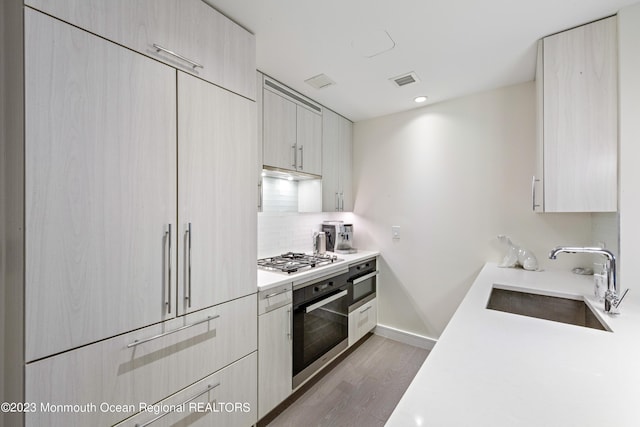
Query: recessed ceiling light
[(420, 99), (290, 178)]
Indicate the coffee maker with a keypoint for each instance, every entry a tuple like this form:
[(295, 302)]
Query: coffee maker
[(339, 237), (344, 240)]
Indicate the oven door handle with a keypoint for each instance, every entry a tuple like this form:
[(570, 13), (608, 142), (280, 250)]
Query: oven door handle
[(365, 277), (325, 301)]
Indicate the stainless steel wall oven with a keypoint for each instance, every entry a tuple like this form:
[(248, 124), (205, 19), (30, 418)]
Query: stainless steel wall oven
[(320, 324), (363, 278)]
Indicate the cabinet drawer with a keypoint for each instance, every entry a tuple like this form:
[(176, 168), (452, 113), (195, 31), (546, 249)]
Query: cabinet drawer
[(227, 398), (197, 38), (117, 371), (362, 320), (272, 299)]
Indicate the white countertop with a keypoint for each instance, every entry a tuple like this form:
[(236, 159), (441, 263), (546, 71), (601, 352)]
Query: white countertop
[(270, 279), (497, 369)]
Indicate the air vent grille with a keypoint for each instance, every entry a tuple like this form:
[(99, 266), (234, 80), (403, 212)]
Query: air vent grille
[(405, 79), (320, 81)]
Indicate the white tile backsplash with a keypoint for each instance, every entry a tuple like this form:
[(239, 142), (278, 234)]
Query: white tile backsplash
[(279, 195), (280, 232)]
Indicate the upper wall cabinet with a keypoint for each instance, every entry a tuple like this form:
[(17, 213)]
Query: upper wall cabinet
[(186, 34), (292, 130), (337, 148), (577, 120)]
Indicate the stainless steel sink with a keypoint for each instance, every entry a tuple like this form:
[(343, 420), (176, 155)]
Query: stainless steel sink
[(565, 310)]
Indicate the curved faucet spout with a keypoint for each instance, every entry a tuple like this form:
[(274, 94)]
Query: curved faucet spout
[(612, 286), (581, 250)]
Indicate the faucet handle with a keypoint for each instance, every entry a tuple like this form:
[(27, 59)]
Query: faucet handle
[(617, 303), (613, 298)]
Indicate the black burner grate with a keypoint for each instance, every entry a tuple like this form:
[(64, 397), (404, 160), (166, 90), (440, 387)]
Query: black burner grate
[(292, 262)]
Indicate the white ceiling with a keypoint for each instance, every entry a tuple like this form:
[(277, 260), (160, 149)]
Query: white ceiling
[(456, 47)]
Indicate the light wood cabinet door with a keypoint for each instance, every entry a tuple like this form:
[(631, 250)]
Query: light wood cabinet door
[(309, 141), (221, 51), (580, 119), (331, 136), (225, 50), (143, 366), (227, 398), (279, 132), (346, 165), (275, 358), (100, 164), (337, 149), (217, 192)]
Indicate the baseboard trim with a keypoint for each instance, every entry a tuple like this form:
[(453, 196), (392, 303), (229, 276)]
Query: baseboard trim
[(405, 337)]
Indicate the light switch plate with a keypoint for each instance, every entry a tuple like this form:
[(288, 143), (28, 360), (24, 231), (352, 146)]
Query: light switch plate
[(395, 232)]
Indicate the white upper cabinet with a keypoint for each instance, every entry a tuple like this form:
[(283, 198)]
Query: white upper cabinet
[(279, 127), (309, 141), (187, 34), (292, 130), (337, 148), (217, 194), (100, 168), (579, 87)]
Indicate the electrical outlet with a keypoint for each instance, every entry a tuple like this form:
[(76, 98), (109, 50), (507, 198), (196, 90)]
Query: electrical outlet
[(395, 232)]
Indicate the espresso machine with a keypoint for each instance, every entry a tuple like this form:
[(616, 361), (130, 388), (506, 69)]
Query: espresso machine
[(339, 237)]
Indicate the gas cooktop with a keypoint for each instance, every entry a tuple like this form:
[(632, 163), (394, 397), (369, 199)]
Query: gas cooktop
[(292, 262)]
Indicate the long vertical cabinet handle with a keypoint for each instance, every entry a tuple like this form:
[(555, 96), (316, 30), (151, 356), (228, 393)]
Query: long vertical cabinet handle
[(341, 202), (533, 193), (337, 201), (260, 195), (168, 293), (295, 156), (289, 332), (188, 297), (301, 156)]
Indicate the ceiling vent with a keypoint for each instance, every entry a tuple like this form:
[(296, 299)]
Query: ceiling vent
[(405, 79), (320, 81)]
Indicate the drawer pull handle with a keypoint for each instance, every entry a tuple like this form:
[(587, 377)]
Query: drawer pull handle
[(172, 53), (366, 309), (209, 388), (277, 293), (366, 277), (325, 301), (164, 334)]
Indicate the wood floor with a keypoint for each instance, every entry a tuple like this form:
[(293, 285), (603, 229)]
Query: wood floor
[(361, 389)]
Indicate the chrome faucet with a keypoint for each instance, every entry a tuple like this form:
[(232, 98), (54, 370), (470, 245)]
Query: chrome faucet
[(612, 299)]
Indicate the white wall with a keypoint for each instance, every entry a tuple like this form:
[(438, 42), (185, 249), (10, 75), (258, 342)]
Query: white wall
[(629, 120), (453, 176)]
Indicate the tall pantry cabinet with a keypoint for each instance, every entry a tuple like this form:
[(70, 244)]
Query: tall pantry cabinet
[(135, 251)]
